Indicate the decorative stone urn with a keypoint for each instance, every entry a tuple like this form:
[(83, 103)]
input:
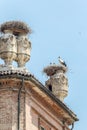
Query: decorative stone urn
[(8, 48), (58, 82), (14, 43), (23, 50)]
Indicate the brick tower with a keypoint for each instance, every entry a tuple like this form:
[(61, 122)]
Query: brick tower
[(25, 103)]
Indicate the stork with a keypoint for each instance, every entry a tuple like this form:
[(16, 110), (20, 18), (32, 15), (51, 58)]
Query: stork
[(62, 62)]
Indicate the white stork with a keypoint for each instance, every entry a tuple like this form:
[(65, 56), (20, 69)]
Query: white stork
[(62, 62)]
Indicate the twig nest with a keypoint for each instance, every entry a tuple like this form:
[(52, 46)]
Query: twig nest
[(16, 27), (53, 69)]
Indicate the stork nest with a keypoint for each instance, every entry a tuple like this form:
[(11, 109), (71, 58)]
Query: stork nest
[(53, 69), (16, 27)]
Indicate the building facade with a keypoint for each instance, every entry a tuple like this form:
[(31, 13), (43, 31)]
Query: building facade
[(25, 103)]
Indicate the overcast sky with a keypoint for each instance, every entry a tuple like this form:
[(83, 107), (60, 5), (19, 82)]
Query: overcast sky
[(59, 29)]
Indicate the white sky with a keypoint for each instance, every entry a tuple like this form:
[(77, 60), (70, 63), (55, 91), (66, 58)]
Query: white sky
[(59, 29)]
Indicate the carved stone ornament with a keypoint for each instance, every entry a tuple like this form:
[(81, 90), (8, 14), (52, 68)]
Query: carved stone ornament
[(8, 48), (14, 43), (23, 50), (59, 84)]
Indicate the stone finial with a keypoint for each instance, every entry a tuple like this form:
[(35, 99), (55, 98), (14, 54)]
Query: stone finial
[(58, 82), (14, 43)]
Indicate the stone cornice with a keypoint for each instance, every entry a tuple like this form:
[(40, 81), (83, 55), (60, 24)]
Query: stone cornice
[(43, 92)]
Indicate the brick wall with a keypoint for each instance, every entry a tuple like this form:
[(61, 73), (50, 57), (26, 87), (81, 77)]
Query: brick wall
[(5, 110), (33, 112), (9, 109)]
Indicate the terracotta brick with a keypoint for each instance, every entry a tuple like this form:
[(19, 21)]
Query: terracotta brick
[(33, 113)]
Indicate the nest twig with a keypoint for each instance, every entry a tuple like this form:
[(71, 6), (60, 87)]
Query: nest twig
[(51, 70), (15, 26)]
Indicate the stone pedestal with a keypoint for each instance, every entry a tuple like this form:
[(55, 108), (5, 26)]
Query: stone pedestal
[(58, 82)]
